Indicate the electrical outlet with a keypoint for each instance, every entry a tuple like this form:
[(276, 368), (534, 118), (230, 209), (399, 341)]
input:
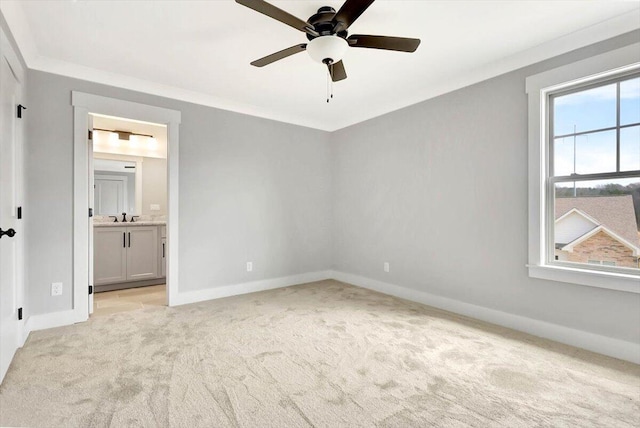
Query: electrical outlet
[(386, 266), (56, 289), (249, 266), (154, 207)]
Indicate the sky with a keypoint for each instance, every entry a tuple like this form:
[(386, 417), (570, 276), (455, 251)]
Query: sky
[(595, 152), (596, 109)]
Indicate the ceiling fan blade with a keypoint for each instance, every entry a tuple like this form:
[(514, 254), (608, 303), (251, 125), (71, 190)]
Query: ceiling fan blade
[(401, 44), (348, 13), (278, 14), (279, 55), (337, 71)]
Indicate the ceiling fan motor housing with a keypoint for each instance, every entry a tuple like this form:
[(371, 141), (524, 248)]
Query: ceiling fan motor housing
[(322, 23), (329, 47)]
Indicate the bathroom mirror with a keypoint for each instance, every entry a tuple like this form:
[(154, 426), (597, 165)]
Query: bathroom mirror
[(117, 187)]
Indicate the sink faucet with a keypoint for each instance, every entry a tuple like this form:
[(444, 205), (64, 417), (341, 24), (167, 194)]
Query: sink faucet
[(134, 217), (124, 217), (115, 218)]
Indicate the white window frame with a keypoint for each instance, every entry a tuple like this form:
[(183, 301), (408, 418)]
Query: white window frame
[(538, 88)]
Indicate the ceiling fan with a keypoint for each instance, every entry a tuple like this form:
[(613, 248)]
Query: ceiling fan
[(327, 34)]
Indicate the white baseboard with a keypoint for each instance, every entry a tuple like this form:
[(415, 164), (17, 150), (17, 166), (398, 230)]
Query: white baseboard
[(616, 348), (62, 318), (248, 287), (24, 328), (51, 320)]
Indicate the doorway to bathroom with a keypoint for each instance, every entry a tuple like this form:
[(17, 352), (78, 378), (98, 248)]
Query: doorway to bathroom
[(128, 200), (141, 259)]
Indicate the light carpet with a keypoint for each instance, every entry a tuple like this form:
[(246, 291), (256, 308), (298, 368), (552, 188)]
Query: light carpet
[(324, 354)]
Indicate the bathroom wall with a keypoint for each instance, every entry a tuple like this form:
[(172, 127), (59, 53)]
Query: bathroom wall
[(154, 186)]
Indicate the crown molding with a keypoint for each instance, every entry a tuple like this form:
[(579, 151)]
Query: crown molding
[(94, 75), (599, 32), (13, 17), (18, 26)]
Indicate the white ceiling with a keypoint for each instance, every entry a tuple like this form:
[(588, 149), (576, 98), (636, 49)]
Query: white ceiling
[(200, 51)]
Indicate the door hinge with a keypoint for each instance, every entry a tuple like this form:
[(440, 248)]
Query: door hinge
[(91, 289), (90, 135), (20, 108), (90, 212), (19, 213), (19, 314)]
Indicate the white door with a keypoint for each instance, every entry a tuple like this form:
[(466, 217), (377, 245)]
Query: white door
[(142, 253), (10, 151), (91, 210), (110, 194), (109, 255)]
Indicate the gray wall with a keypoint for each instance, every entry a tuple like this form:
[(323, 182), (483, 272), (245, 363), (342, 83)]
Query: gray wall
[(439, 190), (250, 190)]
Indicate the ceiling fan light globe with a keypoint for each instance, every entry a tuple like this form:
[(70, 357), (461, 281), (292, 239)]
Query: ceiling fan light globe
[(325, 48)]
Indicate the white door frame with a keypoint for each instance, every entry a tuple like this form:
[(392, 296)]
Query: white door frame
[(83, 104), (92, 208)]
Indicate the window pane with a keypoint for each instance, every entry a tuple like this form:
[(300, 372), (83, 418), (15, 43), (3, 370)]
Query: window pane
[(630, 101), (585, 110), (594, 153), (598, 221), (630, 148)]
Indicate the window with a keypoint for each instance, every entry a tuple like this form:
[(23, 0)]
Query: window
[(584, 172), (594, 173)]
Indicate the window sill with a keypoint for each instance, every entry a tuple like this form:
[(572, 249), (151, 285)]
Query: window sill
[(590, 278)]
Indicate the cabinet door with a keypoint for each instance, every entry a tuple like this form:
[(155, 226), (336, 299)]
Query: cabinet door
[(163, 270), (142, 252), (109, 255)]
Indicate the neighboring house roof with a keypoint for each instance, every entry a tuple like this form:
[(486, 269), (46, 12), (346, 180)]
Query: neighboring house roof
[(633, 246), (616, 213)]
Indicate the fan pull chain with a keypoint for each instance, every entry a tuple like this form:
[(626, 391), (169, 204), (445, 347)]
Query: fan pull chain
[(329, 83), (328, 80)]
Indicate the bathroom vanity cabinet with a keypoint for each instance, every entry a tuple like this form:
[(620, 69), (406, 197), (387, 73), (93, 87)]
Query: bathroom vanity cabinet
[(127, 254)]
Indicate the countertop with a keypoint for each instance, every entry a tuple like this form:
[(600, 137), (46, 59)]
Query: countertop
[(135, 223)]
